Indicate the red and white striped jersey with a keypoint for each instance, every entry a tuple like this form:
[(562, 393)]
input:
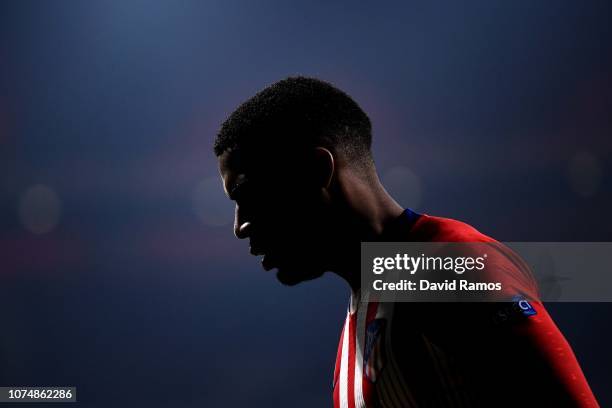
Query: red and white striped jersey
[(487, 354), (365, 373)]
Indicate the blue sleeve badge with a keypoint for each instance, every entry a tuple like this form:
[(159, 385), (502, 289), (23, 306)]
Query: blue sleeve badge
[(523, 305), (515, 310)]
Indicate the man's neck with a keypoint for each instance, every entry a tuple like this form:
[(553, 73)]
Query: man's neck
[(370, 211)]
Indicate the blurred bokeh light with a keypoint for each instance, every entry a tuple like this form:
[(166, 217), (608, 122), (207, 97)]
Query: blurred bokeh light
[(39, 209)]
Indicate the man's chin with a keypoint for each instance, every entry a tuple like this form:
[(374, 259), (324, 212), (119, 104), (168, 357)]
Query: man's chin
[(292, 277)]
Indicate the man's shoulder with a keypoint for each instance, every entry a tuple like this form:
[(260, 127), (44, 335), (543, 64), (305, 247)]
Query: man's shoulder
[(441, 229), (503, 264)]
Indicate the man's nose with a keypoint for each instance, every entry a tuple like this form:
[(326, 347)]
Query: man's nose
[(242, 227), (242, 230)]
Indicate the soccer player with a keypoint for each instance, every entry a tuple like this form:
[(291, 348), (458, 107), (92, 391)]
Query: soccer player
[(296, 160)]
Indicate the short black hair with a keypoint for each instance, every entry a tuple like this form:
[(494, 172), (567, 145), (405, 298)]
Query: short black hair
[(299, 112)]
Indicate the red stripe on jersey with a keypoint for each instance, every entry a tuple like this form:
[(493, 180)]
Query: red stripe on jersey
[(351, 361)]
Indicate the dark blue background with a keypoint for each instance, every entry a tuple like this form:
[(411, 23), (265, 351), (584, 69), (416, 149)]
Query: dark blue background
[(495, 113)]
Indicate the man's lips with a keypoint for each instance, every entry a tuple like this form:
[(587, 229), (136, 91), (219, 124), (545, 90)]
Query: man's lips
[(256, 251), (267, 261)]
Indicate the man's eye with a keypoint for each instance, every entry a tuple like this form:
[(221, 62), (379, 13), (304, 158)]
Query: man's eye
[(239, 193), (242, 193)]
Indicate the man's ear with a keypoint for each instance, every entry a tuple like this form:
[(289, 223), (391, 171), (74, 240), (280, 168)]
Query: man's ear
[(324, 166)]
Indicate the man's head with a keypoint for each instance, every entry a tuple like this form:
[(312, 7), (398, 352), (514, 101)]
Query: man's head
[(280, 155)]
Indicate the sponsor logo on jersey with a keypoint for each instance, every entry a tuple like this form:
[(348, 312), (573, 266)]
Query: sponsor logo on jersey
[(373, 353)]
